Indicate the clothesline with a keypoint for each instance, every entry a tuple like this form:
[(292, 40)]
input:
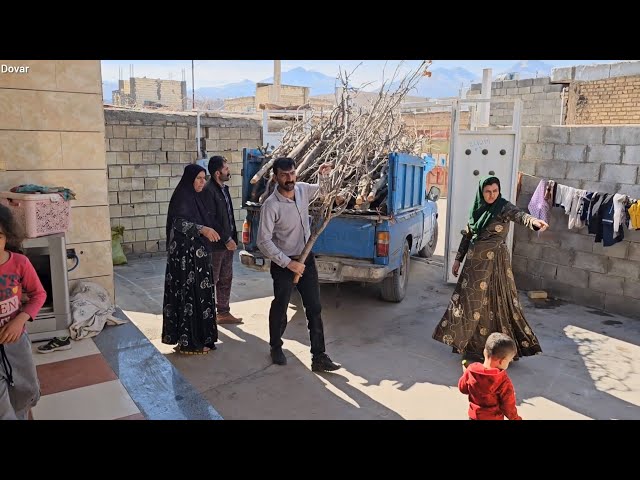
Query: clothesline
[(632, 200)]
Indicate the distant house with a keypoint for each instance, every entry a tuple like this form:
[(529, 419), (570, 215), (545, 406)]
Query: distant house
[(151, 93)]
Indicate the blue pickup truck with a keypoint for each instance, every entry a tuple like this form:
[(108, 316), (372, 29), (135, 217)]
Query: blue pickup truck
[(363, 247)]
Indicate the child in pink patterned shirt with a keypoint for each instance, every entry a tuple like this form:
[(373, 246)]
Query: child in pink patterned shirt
[(19, 386)]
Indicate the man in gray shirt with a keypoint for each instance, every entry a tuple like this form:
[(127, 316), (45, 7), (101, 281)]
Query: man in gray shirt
[(284, 230)]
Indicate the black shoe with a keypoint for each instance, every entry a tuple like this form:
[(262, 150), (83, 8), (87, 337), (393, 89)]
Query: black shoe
[(322, 363), (277, 356), (56, 344)]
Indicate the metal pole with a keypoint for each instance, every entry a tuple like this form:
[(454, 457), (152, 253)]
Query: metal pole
[(193, 89)]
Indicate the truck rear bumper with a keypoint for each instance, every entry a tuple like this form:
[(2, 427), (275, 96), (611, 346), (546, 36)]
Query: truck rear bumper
[(253, 262), (330, 269), (337, 270)]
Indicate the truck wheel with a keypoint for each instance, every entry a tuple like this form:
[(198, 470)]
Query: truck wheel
[(429, 248), (394, 288)]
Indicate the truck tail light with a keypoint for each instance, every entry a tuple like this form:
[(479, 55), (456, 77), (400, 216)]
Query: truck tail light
[(246, 232), (382, 244)]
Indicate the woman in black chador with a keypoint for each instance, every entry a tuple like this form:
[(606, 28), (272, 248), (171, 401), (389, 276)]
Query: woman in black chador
[(189, 318)]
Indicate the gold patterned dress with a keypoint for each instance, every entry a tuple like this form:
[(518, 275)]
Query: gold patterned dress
[(485, 299)]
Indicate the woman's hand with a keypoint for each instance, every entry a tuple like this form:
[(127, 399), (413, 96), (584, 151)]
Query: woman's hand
[(455, 268), (541, 224), (210, 233)]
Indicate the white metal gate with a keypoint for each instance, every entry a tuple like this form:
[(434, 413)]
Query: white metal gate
[(472, 155)]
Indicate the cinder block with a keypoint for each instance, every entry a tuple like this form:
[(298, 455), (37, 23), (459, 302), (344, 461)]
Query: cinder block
[(631, 155), (591, 186), (573, 276), (622, 305), (562, 74), (579, 135), (529, 134), (604, 154), (555, 134), (542, 269), (631, 289), (605, 283), (527, 281), (538, 151), (581, 171), (591, 262), (570, 153), (536, 294), (624, 268), (555, 169), (618, 173), (582, 296), (622, 135), (585, 73)]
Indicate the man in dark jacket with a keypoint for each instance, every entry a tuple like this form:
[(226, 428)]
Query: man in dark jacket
[(223, 221)]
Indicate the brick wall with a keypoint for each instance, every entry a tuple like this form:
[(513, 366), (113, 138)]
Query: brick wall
[(606, 101), (52, 133), (240, 104), (289, 95), (135, 91), (541, 101), (146, 155), (568, 263)]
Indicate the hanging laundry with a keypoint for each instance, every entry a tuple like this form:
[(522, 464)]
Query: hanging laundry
[(618, 211), (539, 205), (576, 209), (634, 216)]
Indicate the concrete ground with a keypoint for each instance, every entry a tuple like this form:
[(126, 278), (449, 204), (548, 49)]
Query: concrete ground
[(392, 369)]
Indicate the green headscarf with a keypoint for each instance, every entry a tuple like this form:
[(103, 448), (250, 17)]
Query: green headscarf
[(481, 212)]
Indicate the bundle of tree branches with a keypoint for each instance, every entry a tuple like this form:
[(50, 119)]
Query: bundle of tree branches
[(356, 141)]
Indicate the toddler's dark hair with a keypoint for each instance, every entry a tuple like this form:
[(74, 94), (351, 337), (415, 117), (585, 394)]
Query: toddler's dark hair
[(11, 230), (500, 345)]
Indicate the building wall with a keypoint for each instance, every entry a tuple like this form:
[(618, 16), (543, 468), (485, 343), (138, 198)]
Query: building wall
[(568, 263), (541, 101), (289, 95), (606, 101), (146, 154), (52, 133), (137, 91), (240, 104)]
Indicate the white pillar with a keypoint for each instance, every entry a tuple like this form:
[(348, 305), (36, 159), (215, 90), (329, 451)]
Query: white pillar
[(483, 108)]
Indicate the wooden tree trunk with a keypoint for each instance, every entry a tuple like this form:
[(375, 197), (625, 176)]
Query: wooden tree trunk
[(309, 245)]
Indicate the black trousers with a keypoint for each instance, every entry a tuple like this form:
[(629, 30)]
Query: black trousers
[(309, 289)]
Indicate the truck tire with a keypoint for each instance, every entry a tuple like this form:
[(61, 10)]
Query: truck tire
[(429, 248), (394, 287)]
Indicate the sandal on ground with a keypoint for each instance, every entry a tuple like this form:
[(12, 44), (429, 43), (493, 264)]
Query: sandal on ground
[(188, 351)]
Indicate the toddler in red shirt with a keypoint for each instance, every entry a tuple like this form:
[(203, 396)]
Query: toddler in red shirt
[(491, 393)]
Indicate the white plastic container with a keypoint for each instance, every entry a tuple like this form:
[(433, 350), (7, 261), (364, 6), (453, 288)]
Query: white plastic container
[(39, 214)]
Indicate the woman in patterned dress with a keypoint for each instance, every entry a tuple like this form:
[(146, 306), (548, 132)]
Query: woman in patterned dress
[(485, 299), (188, 313)]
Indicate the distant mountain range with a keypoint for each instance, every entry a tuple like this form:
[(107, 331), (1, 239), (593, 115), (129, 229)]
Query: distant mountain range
[(444, 82)]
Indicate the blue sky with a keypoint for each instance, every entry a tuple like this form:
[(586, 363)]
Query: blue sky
[(212, 73)]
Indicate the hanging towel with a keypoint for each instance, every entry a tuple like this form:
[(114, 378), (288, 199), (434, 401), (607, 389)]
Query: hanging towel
[(538, 206)]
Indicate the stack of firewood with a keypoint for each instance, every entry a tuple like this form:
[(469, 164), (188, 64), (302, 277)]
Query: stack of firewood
[(356, 141)]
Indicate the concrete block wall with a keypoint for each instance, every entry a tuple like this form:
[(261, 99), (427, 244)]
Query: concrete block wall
[(146, 155), (52, 133), (604, 101), (171, 93), (240, 104), (568, 263), (289, 94), (541, 101)]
